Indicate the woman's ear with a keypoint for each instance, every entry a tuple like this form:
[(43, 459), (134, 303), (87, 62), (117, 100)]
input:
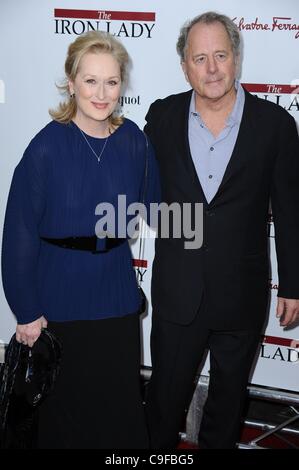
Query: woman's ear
[(71, 87)]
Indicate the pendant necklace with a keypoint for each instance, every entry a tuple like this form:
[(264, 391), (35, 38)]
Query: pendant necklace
[(98, 157)]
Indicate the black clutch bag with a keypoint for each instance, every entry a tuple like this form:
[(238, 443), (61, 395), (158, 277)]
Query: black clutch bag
[(26, 379)]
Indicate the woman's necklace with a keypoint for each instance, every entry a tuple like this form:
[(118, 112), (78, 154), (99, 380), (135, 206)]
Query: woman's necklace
[(98, 157)]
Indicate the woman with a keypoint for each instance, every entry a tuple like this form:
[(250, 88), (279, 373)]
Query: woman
[(56, 272)]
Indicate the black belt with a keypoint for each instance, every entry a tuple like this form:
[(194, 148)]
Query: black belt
[(86, 243)]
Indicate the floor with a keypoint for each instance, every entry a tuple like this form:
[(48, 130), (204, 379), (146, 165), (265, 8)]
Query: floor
[(261, 417), (283, 417)]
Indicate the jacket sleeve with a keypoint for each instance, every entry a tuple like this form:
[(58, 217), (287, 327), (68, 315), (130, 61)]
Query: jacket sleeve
[(151, 191), (21, 241), (285, 208), (152, 121)]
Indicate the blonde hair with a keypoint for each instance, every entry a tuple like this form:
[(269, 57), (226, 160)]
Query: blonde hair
[(91, 42)]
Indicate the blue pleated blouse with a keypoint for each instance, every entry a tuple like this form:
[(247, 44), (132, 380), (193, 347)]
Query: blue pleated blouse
[(55, 190)]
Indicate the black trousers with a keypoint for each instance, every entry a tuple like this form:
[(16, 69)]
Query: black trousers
[(177, 351), (97, 401)]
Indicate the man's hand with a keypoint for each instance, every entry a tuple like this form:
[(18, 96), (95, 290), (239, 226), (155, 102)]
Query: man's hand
[(29, 333), (287, 311)]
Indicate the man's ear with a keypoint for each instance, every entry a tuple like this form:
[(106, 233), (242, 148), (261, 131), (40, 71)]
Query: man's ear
[(238, 66), (183, 65)]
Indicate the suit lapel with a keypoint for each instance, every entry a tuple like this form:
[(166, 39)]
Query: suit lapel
[(244, 144), (183, 123)]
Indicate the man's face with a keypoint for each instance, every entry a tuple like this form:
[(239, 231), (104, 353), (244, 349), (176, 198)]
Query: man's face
[(210, 66)]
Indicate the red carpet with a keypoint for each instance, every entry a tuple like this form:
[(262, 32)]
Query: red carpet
[(279, 441)]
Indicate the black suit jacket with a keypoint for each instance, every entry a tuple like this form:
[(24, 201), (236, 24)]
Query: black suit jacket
[(231, 268)]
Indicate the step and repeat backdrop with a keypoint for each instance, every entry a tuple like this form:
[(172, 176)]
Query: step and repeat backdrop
[(34, 39)]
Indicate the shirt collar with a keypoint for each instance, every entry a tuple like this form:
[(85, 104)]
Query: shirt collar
[(236, 114)]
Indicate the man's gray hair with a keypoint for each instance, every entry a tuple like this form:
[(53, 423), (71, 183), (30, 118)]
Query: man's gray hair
[(209, 18)]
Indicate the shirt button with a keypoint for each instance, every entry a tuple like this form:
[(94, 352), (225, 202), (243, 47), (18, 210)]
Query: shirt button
[(211, 148), (210, 176), (201, 126)]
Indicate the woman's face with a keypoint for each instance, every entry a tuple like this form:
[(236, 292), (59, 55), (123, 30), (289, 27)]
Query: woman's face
[(97, 88)]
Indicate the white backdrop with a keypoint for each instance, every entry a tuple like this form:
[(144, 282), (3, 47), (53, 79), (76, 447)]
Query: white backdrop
[(34, 38)]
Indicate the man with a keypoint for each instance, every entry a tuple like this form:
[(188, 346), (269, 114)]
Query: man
[(218, 145)]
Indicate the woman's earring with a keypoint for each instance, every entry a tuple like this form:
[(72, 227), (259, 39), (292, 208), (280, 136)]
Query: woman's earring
[(72, 95)]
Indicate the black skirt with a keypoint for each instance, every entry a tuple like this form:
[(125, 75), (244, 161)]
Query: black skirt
[(97, 401)]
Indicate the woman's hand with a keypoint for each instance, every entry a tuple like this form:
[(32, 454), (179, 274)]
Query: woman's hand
[(29, 333)]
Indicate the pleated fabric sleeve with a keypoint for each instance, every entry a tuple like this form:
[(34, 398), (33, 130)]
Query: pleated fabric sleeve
[(55, 191)]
